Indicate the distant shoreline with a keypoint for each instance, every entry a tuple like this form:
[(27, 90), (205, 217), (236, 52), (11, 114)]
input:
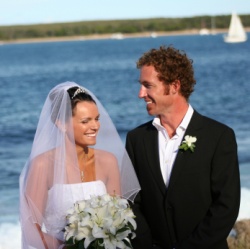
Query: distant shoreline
[(112, 36)]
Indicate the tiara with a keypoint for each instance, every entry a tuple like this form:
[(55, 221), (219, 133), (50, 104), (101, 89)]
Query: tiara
[(79, 90)]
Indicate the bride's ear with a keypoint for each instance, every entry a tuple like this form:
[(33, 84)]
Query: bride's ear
[(60, 126)]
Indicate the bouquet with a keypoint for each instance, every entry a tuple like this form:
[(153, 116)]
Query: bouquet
[(100, 222)]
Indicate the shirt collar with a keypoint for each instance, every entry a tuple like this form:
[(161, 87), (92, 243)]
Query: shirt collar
[(185, 121), (183, 125)]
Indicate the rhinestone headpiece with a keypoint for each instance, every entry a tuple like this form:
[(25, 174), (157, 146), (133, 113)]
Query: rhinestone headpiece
[(79, 90)]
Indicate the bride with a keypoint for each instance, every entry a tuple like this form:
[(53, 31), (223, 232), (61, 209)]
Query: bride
[(76, 153)]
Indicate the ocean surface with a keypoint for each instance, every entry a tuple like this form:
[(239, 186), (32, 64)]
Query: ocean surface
[(108, 69)]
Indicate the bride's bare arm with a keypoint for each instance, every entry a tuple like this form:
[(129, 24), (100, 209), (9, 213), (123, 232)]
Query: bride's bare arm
[(114, 184), (42, 236), (36, 192)]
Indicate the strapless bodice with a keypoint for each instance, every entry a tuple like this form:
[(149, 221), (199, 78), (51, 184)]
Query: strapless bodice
[(61, 197)]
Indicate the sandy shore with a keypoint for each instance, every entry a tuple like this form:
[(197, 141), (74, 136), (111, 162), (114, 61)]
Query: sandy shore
[(110, 36)]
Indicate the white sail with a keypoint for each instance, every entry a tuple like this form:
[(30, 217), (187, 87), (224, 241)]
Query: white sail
[(236, 32)]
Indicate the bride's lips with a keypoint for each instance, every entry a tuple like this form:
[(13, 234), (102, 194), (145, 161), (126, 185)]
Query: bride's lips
[(91, 135)]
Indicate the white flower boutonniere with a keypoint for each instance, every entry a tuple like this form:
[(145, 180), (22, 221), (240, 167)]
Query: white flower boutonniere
[(188, 143)]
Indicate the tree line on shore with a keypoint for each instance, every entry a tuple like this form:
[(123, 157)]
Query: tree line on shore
[(84, 28)]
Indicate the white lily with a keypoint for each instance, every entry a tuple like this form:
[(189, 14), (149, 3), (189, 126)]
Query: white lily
[(98, 232), (83, 232), (86, 221), (122, 235), (104, 219), (110, 244), (88, 240), (69, 231)]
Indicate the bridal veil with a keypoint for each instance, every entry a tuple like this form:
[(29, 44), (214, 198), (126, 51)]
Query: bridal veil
[(52, 157)]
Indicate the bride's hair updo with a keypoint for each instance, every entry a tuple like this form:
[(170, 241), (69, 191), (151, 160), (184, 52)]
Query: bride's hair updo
[(76, 94)]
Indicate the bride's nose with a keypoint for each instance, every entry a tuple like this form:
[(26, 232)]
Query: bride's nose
[(95, 125)]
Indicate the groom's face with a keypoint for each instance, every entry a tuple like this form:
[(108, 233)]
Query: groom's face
[(154, 92)]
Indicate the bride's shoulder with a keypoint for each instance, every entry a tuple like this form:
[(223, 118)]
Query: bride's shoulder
[(104, 156), (44, 160)]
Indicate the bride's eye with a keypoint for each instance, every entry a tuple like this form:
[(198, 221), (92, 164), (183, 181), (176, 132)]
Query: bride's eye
[(85, 121)]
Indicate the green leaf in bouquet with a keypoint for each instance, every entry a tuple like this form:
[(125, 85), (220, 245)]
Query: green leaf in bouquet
[(96, 244), (127, 243)]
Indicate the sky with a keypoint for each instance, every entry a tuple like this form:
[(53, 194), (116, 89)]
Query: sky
[(22, 12)]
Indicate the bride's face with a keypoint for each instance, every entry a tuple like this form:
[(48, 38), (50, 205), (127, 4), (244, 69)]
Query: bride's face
[(85, 123)]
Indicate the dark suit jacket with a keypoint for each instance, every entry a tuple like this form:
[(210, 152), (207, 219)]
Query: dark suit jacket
[(201, 203)]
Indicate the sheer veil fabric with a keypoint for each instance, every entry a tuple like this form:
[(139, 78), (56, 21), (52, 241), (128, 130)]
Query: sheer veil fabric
[(53, 164)]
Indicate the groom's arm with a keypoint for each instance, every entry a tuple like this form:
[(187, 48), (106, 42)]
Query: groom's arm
[(225, 189), (143, 239)]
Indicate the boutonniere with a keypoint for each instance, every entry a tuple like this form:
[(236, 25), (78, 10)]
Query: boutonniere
[(188, 143)]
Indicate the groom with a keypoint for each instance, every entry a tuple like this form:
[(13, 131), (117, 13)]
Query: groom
[(190, 195)]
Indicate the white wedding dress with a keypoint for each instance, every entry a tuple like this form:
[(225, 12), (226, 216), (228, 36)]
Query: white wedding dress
[(55, 213)]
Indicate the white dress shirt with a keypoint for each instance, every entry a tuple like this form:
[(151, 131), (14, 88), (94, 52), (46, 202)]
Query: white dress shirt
[(168, 147)]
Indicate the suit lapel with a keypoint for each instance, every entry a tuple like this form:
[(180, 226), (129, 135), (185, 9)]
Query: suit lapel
[(182, 157), (151, 145)]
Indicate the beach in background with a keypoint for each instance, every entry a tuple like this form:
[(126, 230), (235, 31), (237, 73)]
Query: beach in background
[(119, 36)]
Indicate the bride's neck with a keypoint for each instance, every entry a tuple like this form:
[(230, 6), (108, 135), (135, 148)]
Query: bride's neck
[(82, 153)]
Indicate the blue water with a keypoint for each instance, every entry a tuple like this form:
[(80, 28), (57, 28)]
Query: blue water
[(108, 69)]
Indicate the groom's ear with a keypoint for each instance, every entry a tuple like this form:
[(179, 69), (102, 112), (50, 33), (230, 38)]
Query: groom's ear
[(175, 86)]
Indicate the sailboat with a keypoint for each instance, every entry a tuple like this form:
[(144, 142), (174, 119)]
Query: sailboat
[(236, 32)]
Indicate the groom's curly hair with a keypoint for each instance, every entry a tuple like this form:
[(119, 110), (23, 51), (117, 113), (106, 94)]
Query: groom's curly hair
[(171, 64)]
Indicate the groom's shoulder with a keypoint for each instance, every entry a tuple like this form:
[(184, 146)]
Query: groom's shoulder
[(211, 123)]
